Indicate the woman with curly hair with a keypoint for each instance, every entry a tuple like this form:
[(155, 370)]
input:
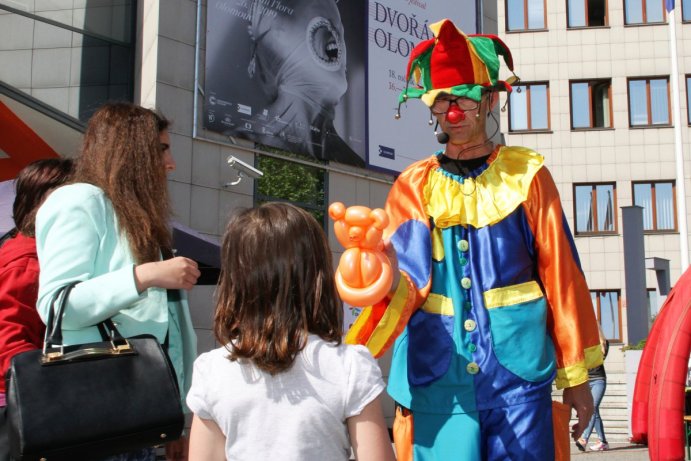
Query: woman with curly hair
[(109, 231)]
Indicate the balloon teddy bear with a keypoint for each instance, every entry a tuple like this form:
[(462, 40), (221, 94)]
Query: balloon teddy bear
[(364, 275)]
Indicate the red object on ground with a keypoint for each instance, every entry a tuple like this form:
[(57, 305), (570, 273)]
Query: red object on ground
[(663, 371)]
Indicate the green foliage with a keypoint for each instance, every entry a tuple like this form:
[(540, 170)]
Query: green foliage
[(299, 184), (635, 347)]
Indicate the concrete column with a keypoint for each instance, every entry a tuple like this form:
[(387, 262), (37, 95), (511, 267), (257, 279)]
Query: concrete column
[(634, 274)]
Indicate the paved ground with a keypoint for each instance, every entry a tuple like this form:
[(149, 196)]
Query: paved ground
[(617, 452)]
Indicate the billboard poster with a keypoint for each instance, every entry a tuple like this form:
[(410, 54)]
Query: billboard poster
[(289, 74), (395, 27)]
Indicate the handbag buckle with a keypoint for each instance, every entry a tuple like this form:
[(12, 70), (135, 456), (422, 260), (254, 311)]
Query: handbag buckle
[(121, 348), (52, 355)]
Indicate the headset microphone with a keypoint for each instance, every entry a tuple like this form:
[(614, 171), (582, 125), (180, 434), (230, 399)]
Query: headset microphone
[(442, 138)]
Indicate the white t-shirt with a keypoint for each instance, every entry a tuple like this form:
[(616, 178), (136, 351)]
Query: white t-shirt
[(299, 414)]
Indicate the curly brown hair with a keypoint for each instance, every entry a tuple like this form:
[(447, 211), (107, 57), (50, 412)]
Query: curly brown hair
[(276, 286), (32, 185), (123, 156)]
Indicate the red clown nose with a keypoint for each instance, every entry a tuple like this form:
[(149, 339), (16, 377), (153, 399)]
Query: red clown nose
[(455, 114)]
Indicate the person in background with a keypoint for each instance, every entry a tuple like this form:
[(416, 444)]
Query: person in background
[(108, 230), (283, 386), (21, 329), (597, 380)]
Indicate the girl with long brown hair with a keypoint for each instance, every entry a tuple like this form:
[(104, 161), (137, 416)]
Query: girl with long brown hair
[(283, 386), (108, 230)]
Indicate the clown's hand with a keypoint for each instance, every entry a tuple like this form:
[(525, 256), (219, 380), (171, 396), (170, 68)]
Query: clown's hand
[(364, 275)]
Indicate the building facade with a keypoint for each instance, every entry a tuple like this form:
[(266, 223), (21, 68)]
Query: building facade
[(61, 59), (596, 100)]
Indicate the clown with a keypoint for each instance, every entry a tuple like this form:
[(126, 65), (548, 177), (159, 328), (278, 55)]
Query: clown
[(489, 304)]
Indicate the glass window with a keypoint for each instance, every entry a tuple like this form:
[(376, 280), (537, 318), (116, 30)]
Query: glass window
[(285, 181), (595, 208), (686, 10), (644, 11), (95, 43), (649, 102), (653, 301), (608, 312), (108, 19), (587, 13), (529, 107), (591, 105), (659, 205), (525, 15)]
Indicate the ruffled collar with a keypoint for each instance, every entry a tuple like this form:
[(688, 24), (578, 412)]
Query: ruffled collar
[(487, 194)]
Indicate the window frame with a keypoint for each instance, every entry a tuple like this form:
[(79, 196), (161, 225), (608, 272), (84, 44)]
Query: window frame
[(644, 13), (649, 102), (585, 6), (598, 311), (593, 208), (590, 83), (548, 108), (687, 77), (653, 201), (526, 14)]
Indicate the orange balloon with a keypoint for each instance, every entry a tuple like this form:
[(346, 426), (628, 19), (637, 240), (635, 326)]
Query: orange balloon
[(364, 275)]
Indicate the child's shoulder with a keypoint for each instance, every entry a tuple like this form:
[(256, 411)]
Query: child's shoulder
[(213, 356), (346, 354)]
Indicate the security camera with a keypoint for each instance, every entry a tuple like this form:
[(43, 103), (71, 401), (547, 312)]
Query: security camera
[(243, 169)]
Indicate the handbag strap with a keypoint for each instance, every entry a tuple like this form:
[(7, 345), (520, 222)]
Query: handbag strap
[(53, 336)]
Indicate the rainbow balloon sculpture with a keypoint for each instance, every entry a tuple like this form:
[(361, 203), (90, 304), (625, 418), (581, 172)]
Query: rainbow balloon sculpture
[(364, 275)]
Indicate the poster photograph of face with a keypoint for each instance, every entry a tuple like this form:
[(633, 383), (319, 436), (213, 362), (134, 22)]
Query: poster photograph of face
[(322, 77), (289, 74)]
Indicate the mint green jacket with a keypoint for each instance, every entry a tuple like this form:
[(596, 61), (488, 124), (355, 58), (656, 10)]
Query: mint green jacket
[(77, 238)]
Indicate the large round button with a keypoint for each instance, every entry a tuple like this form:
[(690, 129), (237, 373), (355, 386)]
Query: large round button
[(472, 368), (465, 283), (464, 261), (469, 325), (472, 347), (463, 245)]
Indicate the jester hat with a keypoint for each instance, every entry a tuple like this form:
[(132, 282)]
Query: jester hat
[(455, 63)]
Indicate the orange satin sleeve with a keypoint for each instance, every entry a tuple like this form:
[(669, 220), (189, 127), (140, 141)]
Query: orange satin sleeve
[(407, 201), (571, 318), (378, 326)]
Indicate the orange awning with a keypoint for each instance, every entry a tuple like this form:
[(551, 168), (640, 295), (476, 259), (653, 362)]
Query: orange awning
[(20, 143)]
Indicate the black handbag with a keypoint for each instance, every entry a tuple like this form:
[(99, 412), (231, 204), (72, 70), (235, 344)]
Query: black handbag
[(92, 400)]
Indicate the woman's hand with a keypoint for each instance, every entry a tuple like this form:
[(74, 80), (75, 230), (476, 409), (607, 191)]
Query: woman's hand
[(174, 273)]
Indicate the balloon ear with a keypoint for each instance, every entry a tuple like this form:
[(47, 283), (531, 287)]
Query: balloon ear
[(379, 218), (337, 211)]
